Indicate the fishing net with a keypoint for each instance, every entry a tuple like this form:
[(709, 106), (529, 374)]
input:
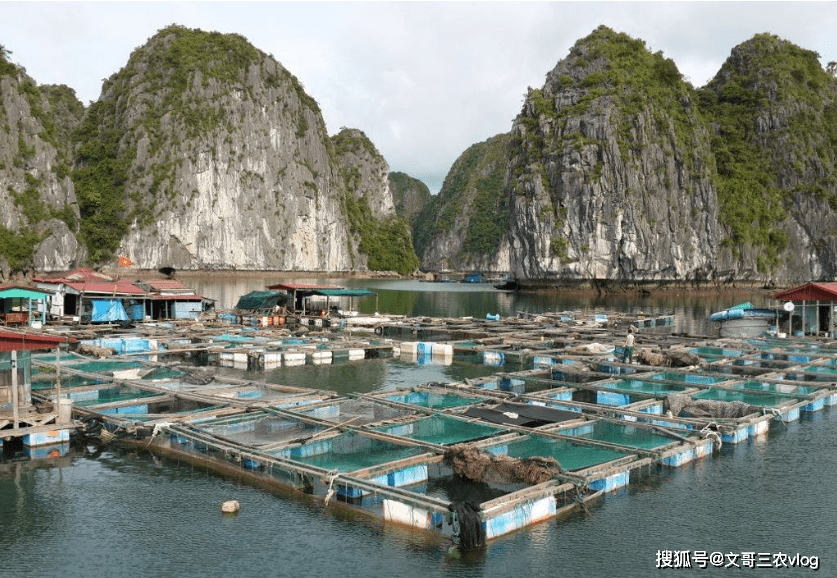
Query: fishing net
[(95, 350), (360, 412), (689, 378), (470, 462), (103, 366), (571, 455), (684, 405), (645, 386), (441, 429), (349, 452), (468, 532), (626, 435), (434, 400)]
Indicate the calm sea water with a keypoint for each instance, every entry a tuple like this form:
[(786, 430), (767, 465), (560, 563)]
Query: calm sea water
[(124, 513)]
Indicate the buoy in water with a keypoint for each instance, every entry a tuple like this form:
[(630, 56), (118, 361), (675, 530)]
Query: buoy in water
[(230, 507)]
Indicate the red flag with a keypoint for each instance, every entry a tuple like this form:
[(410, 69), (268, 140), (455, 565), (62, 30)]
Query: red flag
[(124, 262)]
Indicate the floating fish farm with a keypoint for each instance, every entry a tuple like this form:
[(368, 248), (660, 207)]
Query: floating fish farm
[(558, 420)]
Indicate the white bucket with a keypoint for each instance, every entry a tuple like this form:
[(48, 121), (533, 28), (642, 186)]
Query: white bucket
[(65, 410)]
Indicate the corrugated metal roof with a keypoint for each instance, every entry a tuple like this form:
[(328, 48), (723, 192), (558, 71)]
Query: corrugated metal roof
[(16, 341), (80, 275), (167, 285), (810, 292), (17, 292), (122, 286)]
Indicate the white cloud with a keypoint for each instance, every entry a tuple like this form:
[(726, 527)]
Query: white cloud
[(424, 80)]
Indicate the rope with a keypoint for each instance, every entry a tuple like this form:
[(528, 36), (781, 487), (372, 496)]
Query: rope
[(777, 415), (158, 427), (330, 492), (710, 431), (578, 498)]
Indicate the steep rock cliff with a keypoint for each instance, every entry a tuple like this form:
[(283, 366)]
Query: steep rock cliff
[(204, 152), (38, 209), (464, 226), (409, 195), (610, 173), (774, 110), (381, 236)]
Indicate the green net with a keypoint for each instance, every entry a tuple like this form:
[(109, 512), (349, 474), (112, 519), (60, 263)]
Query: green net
[(821, 373), (441, 429), (113, 395), (570, 455), (688, 378), (45, 382), (715, 352), (776, 387), (358, 412), (759, 400), (103, 366), (642, 386), (162, 373), (434, 400), (349, 452), (625, 435), (256, 429)]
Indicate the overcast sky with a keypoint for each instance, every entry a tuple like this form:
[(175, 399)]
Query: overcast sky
[(423, 80)]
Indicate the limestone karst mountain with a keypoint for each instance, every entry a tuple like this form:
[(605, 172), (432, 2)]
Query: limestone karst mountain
[(618, 170), (202, 152)]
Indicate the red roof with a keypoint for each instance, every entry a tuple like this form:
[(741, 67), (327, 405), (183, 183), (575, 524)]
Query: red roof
[(292, 287), (16, 341), (810, 292), (166, 285), (80, 275), (121, 286)]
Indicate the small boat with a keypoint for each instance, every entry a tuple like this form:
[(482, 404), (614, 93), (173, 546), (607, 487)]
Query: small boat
[(508, 285)]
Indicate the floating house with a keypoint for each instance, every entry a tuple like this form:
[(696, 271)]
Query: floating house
[(814, 308), (23, 305), (321, 299), (92, 297), (263, 303), (171, 299), (19, 421)]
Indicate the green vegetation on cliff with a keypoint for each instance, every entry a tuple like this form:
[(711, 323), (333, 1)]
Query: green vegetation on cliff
[(773, 106), (473, 190), (386, 242), (409, 195), (53, 110), (100, 176)]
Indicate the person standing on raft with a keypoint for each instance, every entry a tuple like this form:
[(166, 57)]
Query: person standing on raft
[(628, 348)]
